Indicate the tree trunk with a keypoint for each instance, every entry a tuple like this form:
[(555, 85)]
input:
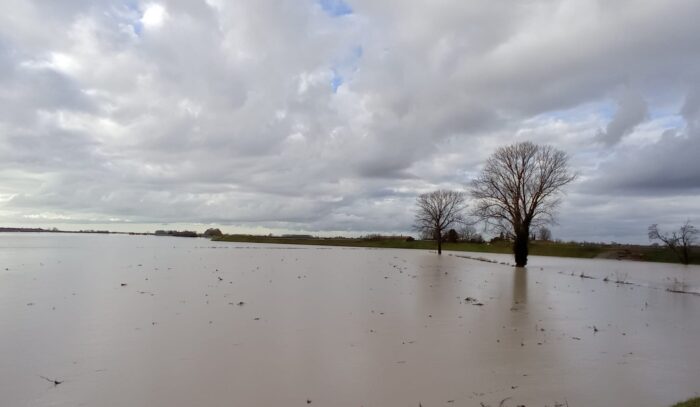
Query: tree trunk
[(520, 247), (438, 237), (685, 257)]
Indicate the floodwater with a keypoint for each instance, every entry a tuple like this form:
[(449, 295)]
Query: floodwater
[(162, 321)]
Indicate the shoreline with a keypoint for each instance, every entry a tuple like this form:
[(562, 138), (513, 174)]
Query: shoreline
[(550, 249)]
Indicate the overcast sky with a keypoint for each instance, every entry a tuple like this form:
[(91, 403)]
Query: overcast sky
[(331, 116)]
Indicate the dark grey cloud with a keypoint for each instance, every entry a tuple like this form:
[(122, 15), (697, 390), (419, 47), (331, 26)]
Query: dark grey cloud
[(631, 111), (288, 116), (667, 166)]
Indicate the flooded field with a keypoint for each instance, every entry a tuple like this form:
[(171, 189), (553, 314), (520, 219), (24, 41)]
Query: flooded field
[(160, 321)]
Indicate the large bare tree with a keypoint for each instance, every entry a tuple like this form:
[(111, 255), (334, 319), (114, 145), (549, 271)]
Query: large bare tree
[(680, 242), (519, 188), (438, 211)]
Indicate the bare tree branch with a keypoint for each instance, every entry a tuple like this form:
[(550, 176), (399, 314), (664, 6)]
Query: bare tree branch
[(680, 242), (437, 211), (519, 188)]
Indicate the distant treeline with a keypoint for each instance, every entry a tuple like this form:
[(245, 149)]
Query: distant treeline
[(25, 230), (52, 230), (211, 232), (183, 233)]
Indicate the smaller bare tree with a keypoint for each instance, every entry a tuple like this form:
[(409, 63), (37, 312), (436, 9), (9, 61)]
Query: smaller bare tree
[(438, 211), (426, 234), (467, 232), (680, 242), (544, 234)]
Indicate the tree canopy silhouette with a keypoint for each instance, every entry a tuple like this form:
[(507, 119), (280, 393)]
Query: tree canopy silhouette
[(680, 242), (519, 188), (438, 211)]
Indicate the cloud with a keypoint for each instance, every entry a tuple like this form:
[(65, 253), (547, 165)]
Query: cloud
[(327, 115), (632, 110), (153, 16), (668, 165)]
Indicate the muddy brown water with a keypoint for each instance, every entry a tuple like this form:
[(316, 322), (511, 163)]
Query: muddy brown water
[(335, 327)]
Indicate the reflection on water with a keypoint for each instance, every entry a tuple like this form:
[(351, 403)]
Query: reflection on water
[(520, 285), (435, 284), (202, 323)]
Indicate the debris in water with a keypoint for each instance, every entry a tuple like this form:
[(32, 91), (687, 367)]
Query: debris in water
[(503, 401), (54, 381), (681, 291), (473, 301)]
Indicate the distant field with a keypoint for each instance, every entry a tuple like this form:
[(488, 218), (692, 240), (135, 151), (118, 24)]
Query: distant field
[(579, 250)]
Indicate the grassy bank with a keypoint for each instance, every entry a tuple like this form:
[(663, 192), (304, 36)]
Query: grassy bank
[(579, 250), (689, 403)]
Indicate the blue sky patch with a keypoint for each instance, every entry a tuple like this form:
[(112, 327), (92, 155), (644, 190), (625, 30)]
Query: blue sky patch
[(605, 109), (138, 27), (345, 67), (336, 80), (335, 8)]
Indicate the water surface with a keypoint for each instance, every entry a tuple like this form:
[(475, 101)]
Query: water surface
[(144, 321)]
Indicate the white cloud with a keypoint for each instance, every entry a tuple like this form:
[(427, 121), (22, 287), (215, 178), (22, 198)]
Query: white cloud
[(154, 15), (224, 111)]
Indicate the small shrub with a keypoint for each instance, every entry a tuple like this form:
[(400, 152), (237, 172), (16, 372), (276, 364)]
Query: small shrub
[(211, 232), (452, 236)]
